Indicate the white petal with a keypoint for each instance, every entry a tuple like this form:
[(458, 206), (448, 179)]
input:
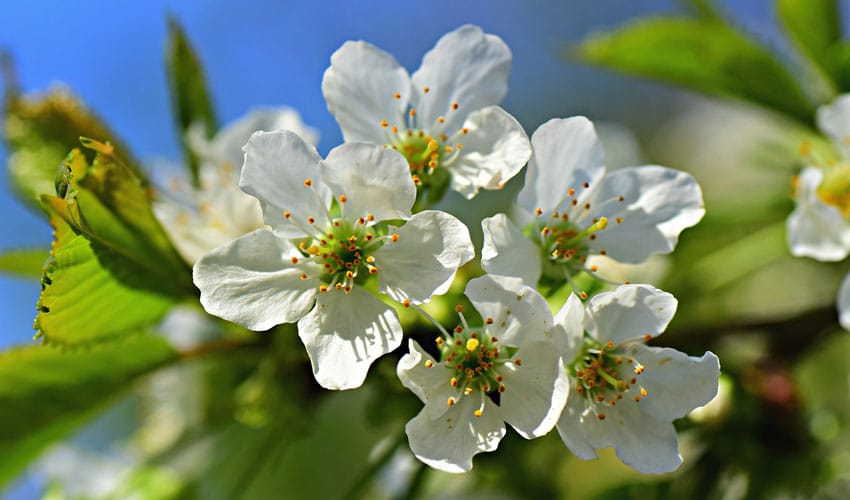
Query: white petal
[(843, 303), (648, 445), (571, 318), (675, 382), (507, 252), (375, 180), (815, 229), (571, 430), (345, 333), (448, 443), (567, 153), (629, 312), (227, 144), (359, 87), (252, 281), (658, 204), (495, 148), (521, 309), (431, 384), (834, 120), (536, 391), (467, 66), (423, 262), (276, 167)]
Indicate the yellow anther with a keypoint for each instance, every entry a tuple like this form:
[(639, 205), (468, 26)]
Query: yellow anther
[(428, 363), (412, 112), (441, 119), (477, 412), (308, 182), (303, 276), (313, 250), (394, 129), (450, 401), (287, 214), (453, 382), (394, 237), (323, 288), (343, 198), (643, 392), (603, 222), (397, 96), (467, 391), (311, 220), (472, 344), (449, 149), (406, 303), (459, 146), (425, 90), (385, 123), (454, 105), (370, 259)]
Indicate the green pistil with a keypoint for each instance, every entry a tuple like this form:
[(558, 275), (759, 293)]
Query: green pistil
[(835, 188), (344, 252), (599, 375), (476, 359)]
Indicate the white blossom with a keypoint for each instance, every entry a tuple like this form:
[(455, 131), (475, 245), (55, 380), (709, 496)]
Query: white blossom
[(624, 393), (334, 223), (444, 118), (507, 369), (571, 208)]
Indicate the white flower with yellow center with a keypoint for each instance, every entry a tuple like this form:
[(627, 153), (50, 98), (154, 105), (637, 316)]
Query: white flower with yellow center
[(819, 226), (507, 369), (570, 209), (198, 219), (624, 393), (443, 119), (335, 223)]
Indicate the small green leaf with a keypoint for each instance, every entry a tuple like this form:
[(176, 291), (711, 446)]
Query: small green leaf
[(90, 291), (25, 263), (813, 26), (40, 131), (706, 56), (47, 392), (190, 99)]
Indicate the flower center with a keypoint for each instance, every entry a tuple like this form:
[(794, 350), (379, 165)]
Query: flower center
[(344, 249), (476, 361), (605, 375), (835, 188), (427, 147), (565, 236)]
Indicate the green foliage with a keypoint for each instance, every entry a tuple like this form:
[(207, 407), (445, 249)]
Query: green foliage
[(47, 392), (24, 263), (813, 26), (706, 56), (39, 131), (190, 97), (111, 268)]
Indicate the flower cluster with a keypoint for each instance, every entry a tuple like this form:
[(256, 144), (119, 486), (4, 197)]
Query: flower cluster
[(335, 244), (819, 226)]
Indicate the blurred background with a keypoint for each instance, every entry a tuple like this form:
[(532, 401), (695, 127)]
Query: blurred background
[(274, 53)]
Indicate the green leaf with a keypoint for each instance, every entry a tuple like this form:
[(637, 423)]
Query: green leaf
[(90, 291), (47, 392), (813, 26), (190, 98), (706, 56), (39, 131), (25, 263)]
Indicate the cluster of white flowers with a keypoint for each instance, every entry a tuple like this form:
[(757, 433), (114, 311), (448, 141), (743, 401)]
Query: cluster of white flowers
[(316, 240), (819, 226)]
